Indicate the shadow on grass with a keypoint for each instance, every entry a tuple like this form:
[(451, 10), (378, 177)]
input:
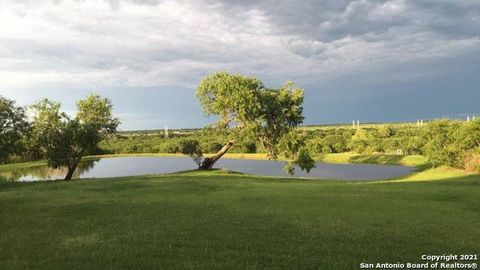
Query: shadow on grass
[(391, 160), (377, 159), (213, 171), (473, 180)]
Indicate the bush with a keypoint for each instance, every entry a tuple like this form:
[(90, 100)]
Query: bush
[(171, 147), (334, 143), (249, 147), (471, 162), (386, 131), (442, 148), (316, 146), (361, 141), (189, 147)]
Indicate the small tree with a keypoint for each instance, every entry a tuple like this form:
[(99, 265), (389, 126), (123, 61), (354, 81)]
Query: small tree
[(386, 131), (13, 128), (64, 140), (442, 148), (360, 141), (293, 148), (192, 149), (248, 109)]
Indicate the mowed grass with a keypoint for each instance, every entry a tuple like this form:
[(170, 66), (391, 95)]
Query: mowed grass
[(385, 159), (213, 220)]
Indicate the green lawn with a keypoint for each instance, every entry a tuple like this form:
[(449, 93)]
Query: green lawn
[(212, 220)]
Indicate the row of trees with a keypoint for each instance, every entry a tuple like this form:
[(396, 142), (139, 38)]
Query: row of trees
[(53, 135), (253, 114), (250, 117), (443, 142), (244, 106)]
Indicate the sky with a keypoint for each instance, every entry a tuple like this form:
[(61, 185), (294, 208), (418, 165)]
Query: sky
[(366, 60)]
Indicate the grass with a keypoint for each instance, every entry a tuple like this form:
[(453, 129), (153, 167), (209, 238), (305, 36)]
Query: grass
[(21, 165), (407, 160), (434, 174), (214, 220)]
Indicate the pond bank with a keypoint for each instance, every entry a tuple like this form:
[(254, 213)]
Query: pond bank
[(384, 159), (122, 166)]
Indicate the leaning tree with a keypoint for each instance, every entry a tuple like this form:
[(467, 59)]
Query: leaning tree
[(247, 108), (65, 140)]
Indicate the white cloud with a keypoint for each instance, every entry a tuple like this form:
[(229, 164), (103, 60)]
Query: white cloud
[(153, 43)]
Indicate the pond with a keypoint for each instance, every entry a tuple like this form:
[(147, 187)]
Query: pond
[(132, 166)]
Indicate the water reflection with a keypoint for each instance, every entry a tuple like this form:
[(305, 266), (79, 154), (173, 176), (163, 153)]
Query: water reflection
[(130, 166), (43, 172)]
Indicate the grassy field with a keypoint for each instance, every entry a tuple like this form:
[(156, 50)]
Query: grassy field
[(212, 220)]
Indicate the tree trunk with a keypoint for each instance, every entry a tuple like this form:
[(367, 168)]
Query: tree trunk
[(210, 161), (71, 170)]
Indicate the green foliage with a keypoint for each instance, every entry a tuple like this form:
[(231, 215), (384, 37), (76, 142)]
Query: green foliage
[(192, 149), (96, 112), (64, 141), (70, 143), (361, 142), (294, 150), (386, 131), (170, 147), (335, 143), (252, 110), (442, 148), (469, 135), (459, 139), (14, 128), (48, 121), (234, 98), (249, 147), (471, 161), (281, 112), (211, 146)]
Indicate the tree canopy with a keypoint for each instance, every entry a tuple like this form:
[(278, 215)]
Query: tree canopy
[(66, 140), (243, 104), (13, 128)]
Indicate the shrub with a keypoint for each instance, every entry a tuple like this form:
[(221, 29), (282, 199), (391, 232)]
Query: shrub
[(170, 147), (249, 147), (471, 162), (386, 131), (442, 148), (316, 146), (334, 143), (360, 141)]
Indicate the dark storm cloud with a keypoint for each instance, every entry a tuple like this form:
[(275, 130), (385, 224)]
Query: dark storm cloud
[(333, 19), (342, 50)]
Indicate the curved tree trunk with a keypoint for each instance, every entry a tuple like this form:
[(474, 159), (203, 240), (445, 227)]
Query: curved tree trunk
[(210, 161), (71, 170)]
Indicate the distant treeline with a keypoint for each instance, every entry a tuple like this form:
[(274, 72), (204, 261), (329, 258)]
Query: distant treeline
[(443, 142)]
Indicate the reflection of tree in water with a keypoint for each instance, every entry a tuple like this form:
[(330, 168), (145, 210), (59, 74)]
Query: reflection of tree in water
[(44, 172)]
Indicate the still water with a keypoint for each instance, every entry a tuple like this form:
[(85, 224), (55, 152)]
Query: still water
[(130, 166)]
